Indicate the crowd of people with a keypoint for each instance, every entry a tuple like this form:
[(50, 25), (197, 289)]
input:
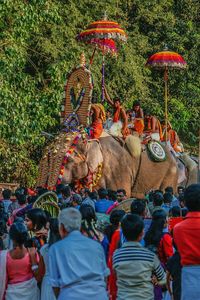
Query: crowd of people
[(95, 249)]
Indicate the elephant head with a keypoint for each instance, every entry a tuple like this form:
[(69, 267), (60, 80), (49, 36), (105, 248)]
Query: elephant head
[(86, 157)]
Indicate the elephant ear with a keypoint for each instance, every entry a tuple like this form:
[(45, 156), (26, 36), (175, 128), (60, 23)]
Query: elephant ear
[(94, 155)]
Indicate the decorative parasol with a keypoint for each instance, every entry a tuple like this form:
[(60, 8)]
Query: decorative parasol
[(102, 34), (166, 60)]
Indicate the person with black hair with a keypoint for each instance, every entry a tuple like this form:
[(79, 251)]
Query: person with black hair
[(159, 241), (113, 234), (102, 205), (134, 264), (22, 202), (90, 198), (36, 220), (186, 237), (157, 201), (139, 117), (175, 212), (175, 201), (19, 267), (89, 227), (168, 198), (6, 199), (54, 236)]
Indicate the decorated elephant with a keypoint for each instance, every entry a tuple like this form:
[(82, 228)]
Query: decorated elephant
[(108, 163)]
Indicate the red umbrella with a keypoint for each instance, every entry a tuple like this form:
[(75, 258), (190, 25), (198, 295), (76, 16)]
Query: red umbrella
[(166, 60), (102, 34)]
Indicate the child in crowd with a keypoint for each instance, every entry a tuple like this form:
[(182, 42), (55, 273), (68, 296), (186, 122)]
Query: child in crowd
[(134, 264)]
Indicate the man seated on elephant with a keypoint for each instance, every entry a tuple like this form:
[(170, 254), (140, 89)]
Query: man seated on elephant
[(152, 127), (98, 116), (139, 118), (120, 120)]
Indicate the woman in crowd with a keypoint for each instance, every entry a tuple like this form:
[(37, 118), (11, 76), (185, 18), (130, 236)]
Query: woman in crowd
[(19, 268), (89, 226), (54, 236), (159, 241), (113, 233), (36, 221)]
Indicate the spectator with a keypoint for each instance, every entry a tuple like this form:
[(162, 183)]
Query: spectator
[(157, 201), (186, 238), (134, 265), (76, 201), (102, 205), (54, 236), (79, 272), (19, 267), (89, 227), (91, 198), (6, 199), (36, 222), (3, 234), (22, 204), (175, 212), (168, 198), (113, 234), (121, 195), (175, 201), (159, 241), (174, 273)]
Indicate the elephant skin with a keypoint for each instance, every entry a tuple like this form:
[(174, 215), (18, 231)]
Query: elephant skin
[(137, 175)]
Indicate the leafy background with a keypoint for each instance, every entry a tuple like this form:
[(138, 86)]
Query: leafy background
[(38, 48)]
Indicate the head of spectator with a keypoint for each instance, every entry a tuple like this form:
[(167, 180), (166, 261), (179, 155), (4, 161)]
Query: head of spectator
[(132, 227), (6, 194), (112, 195), (115, 219), (59, 188), (167, 197), (21, 198), (21, 191), (155, 231), (66, 192), (36, 219), (76, 200), (180, 190), (184, 211), (69, 220), (103, 193), (18, 234), (169, 189), (157, 199), (138, 207), (54, 234), (192, 198), (175, 212), (93, 195), (121, 195)]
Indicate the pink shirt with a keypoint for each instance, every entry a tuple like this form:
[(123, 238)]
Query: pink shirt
[(18, 270)]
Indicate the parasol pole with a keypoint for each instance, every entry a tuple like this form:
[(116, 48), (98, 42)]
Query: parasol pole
[(166, 100), (103, 79), (92, 57)]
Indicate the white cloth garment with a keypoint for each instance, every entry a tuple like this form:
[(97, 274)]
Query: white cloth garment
[(46, 289), (26, 290), (116, 129)]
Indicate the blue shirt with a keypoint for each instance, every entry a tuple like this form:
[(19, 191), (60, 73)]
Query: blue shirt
[(102, 205), (77, 266)]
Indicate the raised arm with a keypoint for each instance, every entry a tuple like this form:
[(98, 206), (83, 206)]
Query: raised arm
[(108, 97)]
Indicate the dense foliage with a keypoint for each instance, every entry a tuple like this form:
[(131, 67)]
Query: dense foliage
[(38, 48)]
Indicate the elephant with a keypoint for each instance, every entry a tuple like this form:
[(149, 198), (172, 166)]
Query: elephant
[(120, 169)]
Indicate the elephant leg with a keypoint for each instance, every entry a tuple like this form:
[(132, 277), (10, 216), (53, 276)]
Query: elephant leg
[(170, 179)]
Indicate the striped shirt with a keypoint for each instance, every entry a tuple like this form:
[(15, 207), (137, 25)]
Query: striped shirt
[(134, 266)]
